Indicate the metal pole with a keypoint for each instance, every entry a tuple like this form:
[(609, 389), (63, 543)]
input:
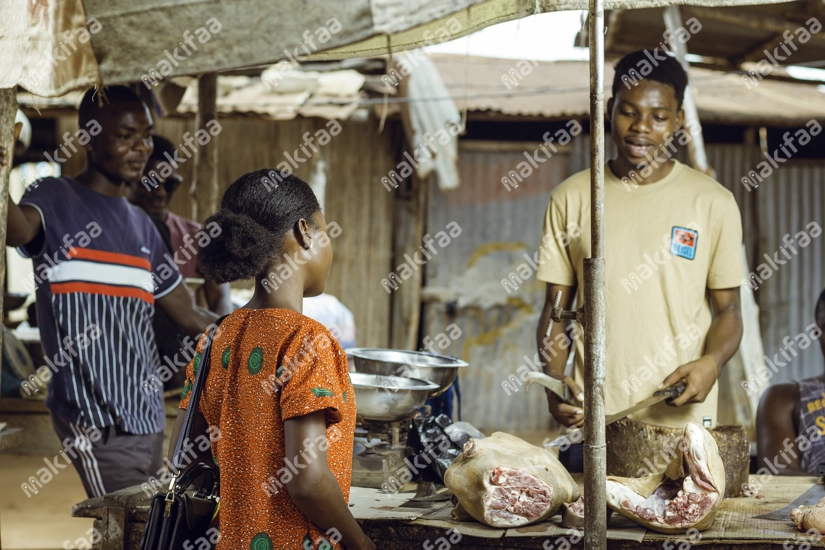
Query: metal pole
[(595, 451)]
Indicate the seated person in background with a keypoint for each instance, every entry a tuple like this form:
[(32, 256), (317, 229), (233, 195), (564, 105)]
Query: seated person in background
[(790, 410), (152, 195)]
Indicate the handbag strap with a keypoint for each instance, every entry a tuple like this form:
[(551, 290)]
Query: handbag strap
[(191, 415)]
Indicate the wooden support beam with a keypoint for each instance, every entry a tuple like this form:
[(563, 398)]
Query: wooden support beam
[(739, 19), (204, 189), (8, 109), (757, 52)]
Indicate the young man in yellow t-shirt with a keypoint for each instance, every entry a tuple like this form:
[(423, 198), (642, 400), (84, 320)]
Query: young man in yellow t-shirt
[(672, 258)]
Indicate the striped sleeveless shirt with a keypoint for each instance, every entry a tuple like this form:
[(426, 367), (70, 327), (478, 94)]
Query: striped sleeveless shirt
[(812, 413)]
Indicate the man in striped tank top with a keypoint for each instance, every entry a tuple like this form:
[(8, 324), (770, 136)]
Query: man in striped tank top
[(791, 419), (100, 270)]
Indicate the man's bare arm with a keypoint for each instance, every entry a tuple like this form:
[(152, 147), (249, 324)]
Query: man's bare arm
[(554, 357), (189, 318), (723, 339), (776, 431)]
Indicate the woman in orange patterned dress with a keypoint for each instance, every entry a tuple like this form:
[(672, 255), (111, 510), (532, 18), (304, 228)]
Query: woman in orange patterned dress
[(278, 389)]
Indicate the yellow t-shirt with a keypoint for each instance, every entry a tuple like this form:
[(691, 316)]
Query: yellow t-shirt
[(666, 244)]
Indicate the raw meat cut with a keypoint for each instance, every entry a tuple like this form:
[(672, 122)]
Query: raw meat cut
[(503, 481), (687, 495), (810, 517)]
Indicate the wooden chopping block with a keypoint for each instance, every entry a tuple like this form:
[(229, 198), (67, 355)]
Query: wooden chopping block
[(636, 449)]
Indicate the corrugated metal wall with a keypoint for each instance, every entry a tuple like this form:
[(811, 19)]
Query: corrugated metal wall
[(498, 328), (498, 227), (356, 160)]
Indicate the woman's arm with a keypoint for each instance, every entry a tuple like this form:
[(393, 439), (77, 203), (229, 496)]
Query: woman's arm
[(314, 489)]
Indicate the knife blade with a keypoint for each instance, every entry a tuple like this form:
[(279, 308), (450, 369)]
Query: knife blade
[(577, 435)]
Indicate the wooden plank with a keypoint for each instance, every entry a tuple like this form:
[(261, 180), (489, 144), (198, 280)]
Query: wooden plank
[(204, 189), (8, 109), (410, 208)]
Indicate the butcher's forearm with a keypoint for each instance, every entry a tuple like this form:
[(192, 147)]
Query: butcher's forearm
[(553, 356), (19, 230), (724, 336)]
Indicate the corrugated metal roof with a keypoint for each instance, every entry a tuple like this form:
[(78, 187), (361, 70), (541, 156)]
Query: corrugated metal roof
[(561, 90)]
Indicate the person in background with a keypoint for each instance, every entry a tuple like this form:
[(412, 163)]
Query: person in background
[(278, 388), (95, 309), (685, 314), (153, 196), (330, 312), (792, 409)]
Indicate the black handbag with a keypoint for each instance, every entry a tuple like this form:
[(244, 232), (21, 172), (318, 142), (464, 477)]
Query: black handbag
[(179, 514)]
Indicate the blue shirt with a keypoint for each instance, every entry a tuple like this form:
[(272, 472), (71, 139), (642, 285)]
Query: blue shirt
[(99, 266)]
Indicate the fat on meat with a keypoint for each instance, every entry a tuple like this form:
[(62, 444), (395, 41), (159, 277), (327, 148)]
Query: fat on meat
[(503, 481), (685, 496), (810, 517)]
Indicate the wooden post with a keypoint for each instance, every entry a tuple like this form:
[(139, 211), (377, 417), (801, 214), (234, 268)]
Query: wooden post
[(696, 145), (410, 210), (204, 188), (8, 109)]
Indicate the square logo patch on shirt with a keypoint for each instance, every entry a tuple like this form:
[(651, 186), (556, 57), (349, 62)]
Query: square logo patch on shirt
[(683, 242)]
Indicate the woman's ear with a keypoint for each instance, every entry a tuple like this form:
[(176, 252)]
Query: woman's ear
[(302, 234)]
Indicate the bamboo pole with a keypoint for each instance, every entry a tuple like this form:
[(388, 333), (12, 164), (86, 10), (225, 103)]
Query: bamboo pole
[(204, 189), (8, 109), (595, 449)]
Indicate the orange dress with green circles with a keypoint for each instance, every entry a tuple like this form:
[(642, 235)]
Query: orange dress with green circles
[(267, 366)]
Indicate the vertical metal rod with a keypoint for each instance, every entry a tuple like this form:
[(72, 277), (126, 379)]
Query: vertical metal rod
[(595, 452)]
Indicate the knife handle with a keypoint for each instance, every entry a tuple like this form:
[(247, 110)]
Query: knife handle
[(672, 391)]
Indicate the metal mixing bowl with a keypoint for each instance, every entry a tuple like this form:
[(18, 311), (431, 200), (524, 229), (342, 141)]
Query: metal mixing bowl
[(389, 398), (440, 369)]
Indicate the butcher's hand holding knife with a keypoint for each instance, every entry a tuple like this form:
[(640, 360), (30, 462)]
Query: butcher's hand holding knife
[(723, 338)]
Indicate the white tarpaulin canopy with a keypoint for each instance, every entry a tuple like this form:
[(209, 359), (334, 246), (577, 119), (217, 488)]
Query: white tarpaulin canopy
[(53, 46)]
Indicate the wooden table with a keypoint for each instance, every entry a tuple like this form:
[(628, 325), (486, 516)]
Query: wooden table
[(120, 516)]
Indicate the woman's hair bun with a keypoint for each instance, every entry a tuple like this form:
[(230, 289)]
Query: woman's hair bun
[(243, 248)]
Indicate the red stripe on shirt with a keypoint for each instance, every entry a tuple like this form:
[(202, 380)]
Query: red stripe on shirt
[(106, 290), (109, 257)]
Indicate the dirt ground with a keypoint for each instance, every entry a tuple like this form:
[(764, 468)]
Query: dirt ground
[(42, 521)]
